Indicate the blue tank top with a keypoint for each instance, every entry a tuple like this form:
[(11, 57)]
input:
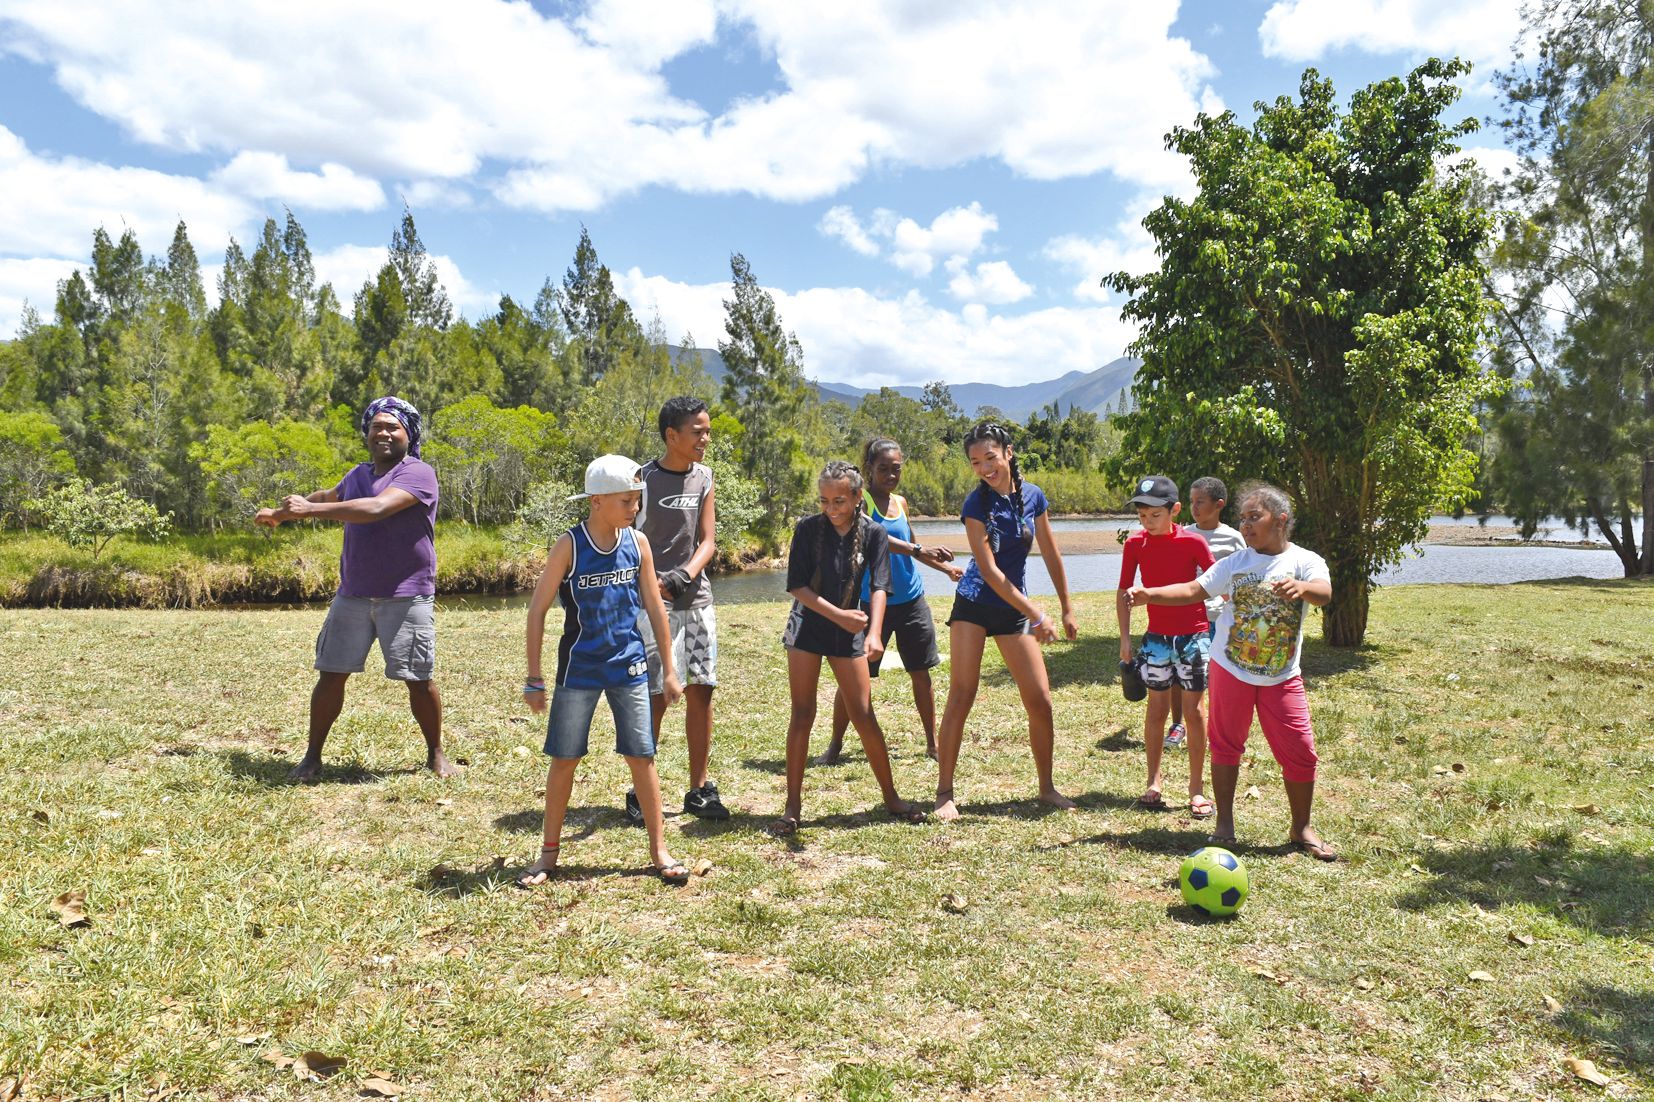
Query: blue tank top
[(905, 583), (601, 646)]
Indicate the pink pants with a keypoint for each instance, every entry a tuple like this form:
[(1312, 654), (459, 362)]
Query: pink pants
[(1283, 713)]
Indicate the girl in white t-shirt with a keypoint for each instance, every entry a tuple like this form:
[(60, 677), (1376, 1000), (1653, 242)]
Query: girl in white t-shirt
[(1254, 664)]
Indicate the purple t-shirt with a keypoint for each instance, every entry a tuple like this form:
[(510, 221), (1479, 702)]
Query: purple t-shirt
[(396, 556)]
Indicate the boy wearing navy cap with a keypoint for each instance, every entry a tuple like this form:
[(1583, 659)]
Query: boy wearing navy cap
[(1175, 647)]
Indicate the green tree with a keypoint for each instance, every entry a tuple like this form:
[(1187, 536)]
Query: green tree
[(600, 323), (248, 466), (1576, 304), (766, 390), (88, 515), (33, 459), (487, 458), (1317, 316)]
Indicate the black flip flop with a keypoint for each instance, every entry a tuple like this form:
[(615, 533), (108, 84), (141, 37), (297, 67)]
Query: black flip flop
[(675, 874), (1131, 683)]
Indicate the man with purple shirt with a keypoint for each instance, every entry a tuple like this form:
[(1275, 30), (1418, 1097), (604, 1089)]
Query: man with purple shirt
[(387, 579)]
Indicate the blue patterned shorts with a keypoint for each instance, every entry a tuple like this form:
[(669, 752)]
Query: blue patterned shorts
[(1165, 660)]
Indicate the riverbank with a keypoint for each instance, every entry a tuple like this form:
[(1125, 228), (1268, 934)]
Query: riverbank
[(297, 565), (1490, 922)]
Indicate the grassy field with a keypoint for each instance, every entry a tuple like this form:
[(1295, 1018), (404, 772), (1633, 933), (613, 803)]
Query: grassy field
[(1488, 773)]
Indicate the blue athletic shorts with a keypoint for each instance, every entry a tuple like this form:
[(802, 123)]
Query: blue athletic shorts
[(569, 724)]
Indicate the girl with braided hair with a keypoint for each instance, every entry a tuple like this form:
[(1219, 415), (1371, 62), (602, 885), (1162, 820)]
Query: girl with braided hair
[(831, 552), (907, 614), (1003, 517)]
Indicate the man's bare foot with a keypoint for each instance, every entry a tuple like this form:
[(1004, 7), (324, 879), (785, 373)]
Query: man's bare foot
[(1057, 800), (905, 810), (831, 755), (1223, 833), (946, 809), (541, 871), (930, 752), (439, 764), (1312, 844), (308, 771)]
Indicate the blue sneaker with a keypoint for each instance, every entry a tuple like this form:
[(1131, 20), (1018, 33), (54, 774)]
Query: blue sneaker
[(1174, 737)]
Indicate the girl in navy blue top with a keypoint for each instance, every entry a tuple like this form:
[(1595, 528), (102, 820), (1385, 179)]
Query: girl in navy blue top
[(831, 551), (1003, 517), (603, 574)]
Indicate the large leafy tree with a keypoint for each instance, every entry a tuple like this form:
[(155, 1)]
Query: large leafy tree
[(599, 321), (1576, 316), (1316, 318), (765, 388)]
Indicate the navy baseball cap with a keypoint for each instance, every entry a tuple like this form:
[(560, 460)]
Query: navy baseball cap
[(1157, 490)]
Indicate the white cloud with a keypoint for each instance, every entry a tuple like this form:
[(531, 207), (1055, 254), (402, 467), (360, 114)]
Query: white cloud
[(953, 235), (347, 267), (841, 222), (1481, 31), (566, 115), (1496, 161), (1127, 248), (855, 336), (267, 176), (33, 280), (50, 206), (994, 282)]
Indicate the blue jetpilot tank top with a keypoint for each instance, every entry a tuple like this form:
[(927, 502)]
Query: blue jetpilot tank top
[(601, 646)]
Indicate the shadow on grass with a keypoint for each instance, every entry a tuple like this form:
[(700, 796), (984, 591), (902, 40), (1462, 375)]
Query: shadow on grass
[(582, 822), (1173, 843), (455, 883), (1613, 1019), (272, 771), (1320, 660), (1194, 916), (1091, 660), (1577, 582), (1607, 891)]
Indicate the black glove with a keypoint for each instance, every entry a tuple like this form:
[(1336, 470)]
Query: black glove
[(675, 581)]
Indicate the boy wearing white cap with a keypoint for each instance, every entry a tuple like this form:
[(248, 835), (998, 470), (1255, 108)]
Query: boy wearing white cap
[(603, 573)]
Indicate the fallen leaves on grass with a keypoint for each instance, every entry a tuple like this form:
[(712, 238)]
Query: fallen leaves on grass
[(1481, 977), (10, 1089), (70, 908), (277, 1057), (378, 1086), (954, 903), (40, 816), (1253, 793), (1524, 940), (1586, 1070), (250, 1039), (316, 1066), (702, 866), (1588, 809), (1552, 1006), (1364, 983)]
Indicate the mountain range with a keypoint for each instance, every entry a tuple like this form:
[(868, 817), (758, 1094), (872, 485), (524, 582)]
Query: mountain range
[(1089, 390)]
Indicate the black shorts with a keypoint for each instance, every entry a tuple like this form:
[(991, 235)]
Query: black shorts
[(994, 619), (915, 631), (812, 632)]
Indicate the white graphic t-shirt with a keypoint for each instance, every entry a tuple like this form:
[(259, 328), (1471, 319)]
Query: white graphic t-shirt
[(1259, 634)]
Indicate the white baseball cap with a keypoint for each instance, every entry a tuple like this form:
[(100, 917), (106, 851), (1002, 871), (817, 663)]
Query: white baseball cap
[(611, 474)]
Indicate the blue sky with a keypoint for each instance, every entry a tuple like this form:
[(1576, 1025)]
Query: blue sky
[(931, 190)]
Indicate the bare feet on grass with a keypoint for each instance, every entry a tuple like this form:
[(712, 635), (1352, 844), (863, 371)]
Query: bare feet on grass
[(541, 871), (439, 764), (905, 810), (832, 755), (1313, 844), (946, 809), (308, 771), (1052, 798)]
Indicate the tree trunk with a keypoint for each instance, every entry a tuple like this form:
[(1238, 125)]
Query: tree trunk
[(1647, 563), (1344, 621)]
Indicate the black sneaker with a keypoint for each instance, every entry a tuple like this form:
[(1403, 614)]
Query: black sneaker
[(703, 802), (634, 810)]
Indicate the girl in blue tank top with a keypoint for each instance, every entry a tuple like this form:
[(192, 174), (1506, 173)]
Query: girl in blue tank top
[(603, 573)]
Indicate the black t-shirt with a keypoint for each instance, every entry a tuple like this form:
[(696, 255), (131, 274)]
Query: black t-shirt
[(836, 564)]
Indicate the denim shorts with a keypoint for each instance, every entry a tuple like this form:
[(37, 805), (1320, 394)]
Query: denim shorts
[(569, 724), (404, 626)]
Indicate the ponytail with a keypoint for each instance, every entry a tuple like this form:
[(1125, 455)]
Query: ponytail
[(995, 433)]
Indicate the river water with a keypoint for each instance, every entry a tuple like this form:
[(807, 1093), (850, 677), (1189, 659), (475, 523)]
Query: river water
[(1433, 563)]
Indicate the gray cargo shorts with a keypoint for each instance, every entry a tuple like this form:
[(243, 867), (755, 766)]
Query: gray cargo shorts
[(404, 626)]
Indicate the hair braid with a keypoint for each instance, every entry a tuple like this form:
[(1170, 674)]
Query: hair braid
[(840, 471)]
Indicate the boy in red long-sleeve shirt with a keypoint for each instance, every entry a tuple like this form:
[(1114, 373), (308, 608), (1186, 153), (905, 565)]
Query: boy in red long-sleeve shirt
[(1175, 648)]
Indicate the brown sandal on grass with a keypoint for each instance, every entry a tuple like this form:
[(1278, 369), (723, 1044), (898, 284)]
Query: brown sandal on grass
[(539, 873), (1318, 850), (1152, 801), (676, 874)]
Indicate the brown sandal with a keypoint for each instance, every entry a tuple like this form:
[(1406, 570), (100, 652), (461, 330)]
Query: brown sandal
[(1318, 850)]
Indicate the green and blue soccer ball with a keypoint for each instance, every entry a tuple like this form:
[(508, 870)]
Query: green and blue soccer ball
[(1214, 881)]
